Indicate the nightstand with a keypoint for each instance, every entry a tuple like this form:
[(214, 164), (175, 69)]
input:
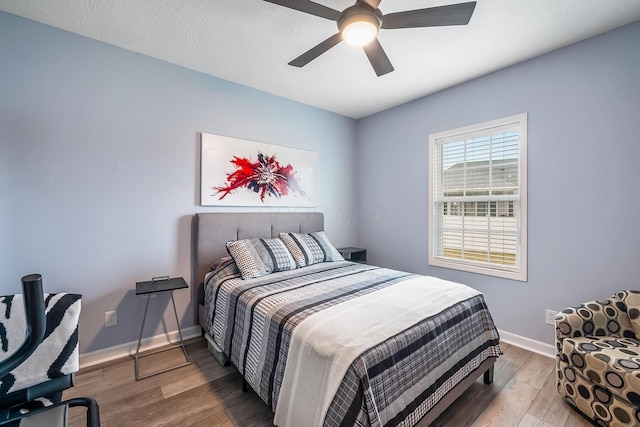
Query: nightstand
[(354, 254), (155, 285)]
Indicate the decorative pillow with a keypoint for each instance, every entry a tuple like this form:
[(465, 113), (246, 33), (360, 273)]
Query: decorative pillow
[(258, 257), (312, 248), (227, 269), (274, 254), (246, 258), (216, 265)]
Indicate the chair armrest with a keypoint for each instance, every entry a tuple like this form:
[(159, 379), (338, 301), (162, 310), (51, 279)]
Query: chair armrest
[(93, 410), (51, 389), (53, 415), (603, 317)]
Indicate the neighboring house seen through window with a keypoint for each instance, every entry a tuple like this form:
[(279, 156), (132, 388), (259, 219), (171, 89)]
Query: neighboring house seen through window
[(478, 198)]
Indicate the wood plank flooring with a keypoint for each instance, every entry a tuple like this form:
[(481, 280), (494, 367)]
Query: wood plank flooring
[(204, 393)]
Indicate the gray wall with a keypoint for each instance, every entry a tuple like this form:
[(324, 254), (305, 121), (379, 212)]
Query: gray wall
[(99, 169), (583, 105)]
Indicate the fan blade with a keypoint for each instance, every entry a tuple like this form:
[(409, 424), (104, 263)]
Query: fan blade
[(454, 14), (379, 60), (309, 7), (373, 3), (316, 51)]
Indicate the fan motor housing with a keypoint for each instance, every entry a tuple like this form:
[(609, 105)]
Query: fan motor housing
[(359, 13)]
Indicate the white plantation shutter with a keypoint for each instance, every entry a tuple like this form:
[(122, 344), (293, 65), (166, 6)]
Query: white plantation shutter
[(477, 194)]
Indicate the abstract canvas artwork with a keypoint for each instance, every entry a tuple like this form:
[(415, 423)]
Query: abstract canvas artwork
[(238, 172)]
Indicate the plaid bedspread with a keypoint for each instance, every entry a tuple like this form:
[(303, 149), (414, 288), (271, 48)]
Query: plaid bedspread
[(253, 320)]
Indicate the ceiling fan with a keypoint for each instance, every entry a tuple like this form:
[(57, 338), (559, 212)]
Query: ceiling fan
[(359, 25)]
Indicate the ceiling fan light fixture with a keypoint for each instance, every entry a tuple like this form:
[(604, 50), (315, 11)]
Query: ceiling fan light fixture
[(359, 25), (360, 32)]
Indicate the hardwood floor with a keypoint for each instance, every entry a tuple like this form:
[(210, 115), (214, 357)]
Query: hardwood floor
[(204, 393)]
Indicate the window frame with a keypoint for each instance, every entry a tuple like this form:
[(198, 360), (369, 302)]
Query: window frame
[(516, 273)]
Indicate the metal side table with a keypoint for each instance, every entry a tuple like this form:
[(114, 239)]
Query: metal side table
[(155, 285)]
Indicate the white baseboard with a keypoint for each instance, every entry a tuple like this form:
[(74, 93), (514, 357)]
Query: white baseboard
[(528, 344), (128, 349)]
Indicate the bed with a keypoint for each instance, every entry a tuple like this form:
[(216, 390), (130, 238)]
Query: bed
[(317, 343)]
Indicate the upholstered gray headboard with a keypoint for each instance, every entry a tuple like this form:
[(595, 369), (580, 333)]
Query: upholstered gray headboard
[(213, 230)]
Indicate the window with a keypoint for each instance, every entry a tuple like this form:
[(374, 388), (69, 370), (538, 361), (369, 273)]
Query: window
[(478, 198)]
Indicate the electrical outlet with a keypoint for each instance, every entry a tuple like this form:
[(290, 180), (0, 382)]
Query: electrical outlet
[(550, 317), (110, 318)]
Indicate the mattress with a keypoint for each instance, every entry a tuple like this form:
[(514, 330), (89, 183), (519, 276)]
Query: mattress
[(340, 343)]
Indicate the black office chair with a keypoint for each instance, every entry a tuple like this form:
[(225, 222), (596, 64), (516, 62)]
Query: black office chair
[(20, 408)]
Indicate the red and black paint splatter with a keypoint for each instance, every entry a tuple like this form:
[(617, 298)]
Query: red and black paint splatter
[(266, 177)]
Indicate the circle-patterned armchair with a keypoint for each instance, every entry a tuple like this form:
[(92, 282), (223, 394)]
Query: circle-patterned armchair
[(598, 359)]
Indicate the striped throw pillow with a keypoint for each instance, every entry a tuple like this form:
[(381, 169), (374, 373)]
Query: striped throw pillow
[(311, 248), (258, 257)]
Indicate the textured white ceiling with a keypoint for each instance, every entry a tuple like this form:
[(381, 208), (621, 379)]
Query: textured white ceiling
[(251, 41)]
